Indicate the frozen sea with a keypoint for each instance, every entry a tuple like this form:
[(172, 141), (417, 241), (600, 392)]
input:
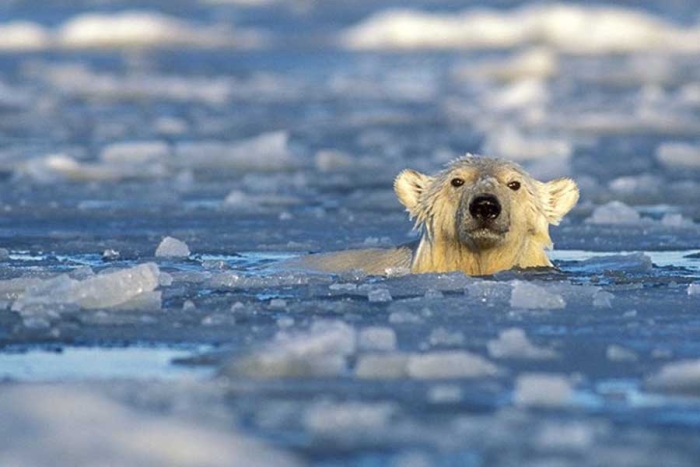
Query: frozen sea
[(161, 160)]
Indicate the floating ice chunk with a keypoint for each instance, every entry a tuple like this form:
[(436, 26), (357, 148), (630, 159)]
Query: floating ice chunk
[(145, 301), (343, 287), (57, 167), (561, 436), (404, 317), (23, 36), (534, 297), (614, 212), (379, 295), (694, 288), (106, 290), (265, 152), (676, 220), (171, 247), (420, 284), (165, 279), (679, 155), (448, 365), (633, 262), (491, 293), (278, 304), (110, 254), (544, 156), (513, 343), (520, 95), (382, 366), (320, 351), (603, 299), (571, 28), (324, 337), (678, 377), (348, 419), (170, 126), (636, 185), (617, 353), (542, 390), (445, 394), (241, 201), (102, 431), (377, 338), (510, 143), (78, 80), (135, 152), (136, 29)]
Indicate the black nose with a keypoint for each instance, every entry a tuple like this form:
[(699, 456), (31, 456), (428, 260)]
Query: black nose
[(485, 207)]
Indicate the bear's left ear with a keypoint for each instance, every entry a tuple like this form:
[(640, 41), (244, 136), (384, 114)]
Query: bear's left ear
[(558, 197), (409, 186)]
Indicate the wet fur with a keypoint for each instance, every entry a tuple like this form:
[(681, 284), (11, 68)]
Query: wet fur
[(449, 241)]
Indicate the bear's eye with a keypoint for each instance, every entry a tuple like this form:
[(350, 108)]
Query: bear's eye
[(457, 182), (515, 186)]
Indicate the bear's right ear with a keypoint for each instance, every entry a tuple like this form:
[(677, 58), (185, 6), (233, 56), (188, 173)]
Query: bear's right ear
[(409, 186)]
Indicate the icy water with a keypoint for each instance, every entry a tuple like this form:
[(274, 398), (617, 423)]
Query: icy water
[(260, 131)]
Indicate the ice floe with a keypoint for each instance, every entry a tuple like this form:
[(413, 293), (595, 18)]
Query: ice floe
[(23, 36), (449, 364), (617, 353), (348, 419), (567, 27), (171, 247), (110, 289), (543, 390), (122, 29), (694, 288), (679, 155), (320, 351), (614, 212), (267, 152), (678, 377), (513, 343), (101, 430)]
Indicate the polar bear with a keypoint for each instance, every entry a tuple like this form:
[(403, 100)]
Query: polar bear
[(479, 215)]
